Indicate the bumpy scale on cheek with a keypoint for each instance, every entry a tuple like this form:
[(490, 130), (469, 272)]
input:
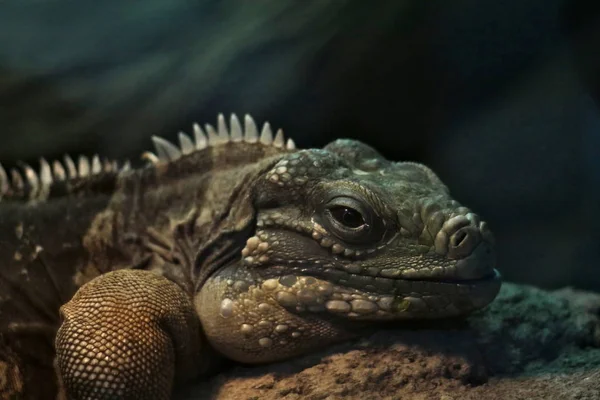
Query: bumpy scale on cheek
[(256, 250), (254, 321), (308, 294), (245, 320)]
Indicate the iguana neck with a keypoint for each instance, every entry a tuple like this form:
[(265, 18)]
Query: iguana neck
[(207, 192)]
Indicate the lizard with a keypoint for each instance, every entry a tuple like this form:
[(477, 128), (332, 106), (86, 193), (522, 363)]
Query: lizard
[(234, 244)]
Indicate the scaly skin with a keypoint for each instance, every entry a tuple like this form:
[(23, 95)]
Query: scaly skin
[(246, 249)]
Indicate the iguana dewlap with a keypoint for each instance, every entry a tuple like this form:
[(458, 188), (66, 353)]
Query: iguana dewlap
[(234, 244)]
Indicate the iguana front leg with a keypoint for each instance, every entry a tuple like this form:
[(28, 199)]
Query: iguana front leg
[(128, 334)]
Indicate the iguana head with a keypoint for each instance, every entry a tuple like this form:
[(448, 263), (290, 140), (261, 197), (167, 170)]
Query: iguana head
[(344, 231), (335, 236)]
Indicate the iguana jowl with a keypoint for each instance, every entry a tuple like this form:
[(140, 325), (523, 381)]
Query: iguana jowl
[(233, 243)]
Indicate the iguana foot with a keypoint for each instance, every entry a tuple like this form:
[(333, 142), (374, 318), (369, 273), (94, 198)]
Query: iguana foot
[(128, 334)]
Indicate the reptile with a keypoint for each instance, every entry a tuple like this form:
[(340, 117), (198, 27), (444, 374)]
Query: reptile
[(121, 282)]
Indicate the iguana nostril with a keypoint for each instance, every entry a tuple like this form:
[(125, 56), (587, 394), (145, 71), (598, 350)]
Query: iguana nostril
[(463, 242), (458, 238)]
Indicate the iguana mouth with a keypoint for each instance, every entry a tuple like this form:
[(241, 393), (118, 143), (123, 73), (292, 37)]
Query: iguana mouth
[(492, 276), (349, 280), (366, 297), (381, 285), (475, 270)]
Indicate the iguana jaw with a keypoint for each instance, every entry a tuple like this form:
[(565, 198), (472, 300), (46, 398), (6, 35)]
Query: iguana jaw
[(253, 318), (409, 299), (356, 296)]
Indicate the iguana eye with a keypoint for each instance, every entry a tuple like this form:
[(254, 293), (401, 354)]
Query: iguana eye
[(347, 216), (352, 220)]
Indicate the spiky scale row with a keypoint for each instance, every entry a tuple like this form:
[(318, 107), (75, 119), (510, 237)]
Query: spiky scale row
[(36, 185), (32, 185), (209, 136)]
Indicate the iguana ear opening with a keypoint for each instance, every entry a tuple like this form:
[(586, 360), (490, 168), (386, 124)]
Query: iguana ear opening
[(357, 154), (224, 248)]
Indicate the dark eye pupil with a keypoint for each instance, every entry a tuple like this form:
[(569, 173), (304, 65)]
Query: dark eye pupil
[(348, 216)]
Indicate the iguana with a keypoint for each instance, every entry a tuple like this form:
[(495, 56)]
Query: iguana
[(233, 244)]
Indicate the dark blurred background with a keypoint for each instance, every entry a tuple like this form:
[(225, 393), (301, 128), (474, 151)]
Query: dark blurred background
[(500, 98)]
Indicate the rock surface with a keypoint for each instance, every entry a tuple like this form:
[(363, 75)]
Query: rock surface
[(529, 344)]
